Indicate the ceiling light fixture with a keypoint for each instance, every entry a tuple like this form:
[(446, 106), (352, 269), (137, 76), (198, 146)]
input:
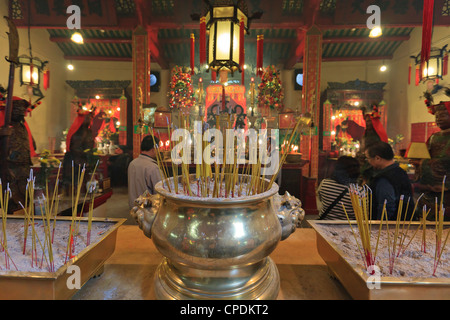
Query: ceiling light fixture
[(375, 32), (77, 38), (434, 67)]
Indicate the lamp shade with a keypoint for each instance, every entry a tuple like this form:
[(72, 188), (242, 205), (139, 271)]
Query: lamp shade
[(417, 150), (30, 70), (223, 23), (434, 67)]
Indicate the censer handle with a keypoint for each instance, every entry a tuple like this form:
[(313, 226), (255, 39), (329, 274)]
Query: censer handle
[(289, 212), (147, 206)]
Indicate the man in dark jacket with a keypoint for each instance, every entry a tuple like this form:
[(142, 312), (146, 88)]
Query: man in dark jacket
[(389, 183)]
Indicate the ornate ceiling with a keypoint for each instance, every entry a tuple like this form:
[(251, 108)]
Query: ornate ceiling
[(107, 27)]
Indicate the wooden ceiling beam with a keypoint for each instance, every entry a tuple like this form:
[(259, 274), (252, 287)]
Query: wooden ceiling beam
[(297, 50), (94, 40), (360, 58), (310, 14), (156, 50), (365, 39), (288, 40), (98, 58)]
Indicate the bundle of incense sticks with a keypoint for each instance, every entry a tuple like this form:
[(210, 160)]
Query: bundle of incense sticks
[(217, 180), (4, 204), (361, 198), (439, 222), (49, 204)]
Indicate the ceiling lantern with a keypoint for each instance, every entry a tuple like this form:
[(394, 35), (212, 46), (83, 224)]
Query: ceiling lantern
[(227, 23), (30, 70), (435, 67)]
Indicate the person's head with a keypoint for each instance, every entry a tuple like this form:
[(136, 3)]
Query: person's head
[(380, 155), (347, 170), (442, 114), (148, 146)]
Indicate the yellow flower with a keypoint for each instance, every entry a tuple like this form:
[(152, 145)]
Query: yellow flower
[(54, 160)]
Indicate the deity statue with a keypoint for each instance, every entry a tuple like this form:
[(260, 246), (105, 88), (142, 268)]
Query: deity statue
[(433, 171)]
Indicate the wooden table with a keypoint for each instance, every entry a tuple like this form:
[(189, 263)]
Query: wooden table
[(128, 273)]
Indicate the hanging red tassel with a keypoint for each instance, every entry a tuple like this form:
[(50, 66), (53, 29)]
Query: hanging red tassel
[(409, 74), (445, 65), (202, 41), (259, 55), (427, 29), (192, 54), (417, 75), (213, 75), (46, 79)]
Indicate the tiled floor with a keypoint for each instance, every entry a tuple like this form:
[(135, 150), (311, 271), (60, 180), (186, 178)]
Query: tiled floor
[(128, 273), (117, 205)]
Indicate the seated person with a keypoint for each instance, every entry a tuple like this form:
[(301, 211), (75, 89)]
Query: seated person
[(388, 183), (334, 190)]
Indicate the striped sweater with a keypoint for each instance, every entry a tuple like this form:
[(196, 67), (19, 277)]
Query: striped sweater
[(327, 192)]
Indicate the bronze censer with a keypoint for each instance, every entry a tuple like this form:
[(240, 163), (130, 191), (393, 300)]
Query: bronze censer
[(217, 248)]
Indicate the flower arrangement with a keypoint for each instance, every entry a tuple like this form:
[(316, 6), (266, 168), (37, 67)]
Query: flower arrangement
[(92, 159), (181, 91), (271, 92), (47, 164)]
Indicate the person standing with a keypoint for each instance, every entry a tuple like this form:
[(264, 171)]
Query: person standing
[(388, 183), (143, 172)]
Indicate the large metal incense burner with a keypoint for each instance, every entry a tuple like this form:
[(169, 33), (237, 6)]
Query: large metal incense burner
[(216, 248)]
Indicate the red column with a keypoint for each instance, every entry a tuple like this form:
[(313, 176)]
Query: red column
[(141, 83), (312, 64)]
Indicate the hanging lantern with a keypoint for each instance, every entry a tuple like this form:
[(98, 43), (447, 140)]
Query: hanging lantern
[(30, 71), (225, 22), (434, 67)]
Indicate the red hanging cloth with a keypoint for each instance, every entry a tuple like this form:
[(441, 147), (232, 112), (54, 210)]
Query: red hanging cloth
[(192, 54), (259, 55), (427, 30), (202, 40), (213, 75)]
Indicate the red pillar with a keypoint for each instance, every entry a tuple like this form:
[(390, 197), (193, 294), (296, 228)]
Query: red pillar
[(141, 84), (312, 64)]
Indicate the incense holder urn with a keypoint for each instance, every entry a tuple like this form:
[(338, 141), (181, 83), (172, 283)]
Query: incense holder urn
[(217, 248)]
